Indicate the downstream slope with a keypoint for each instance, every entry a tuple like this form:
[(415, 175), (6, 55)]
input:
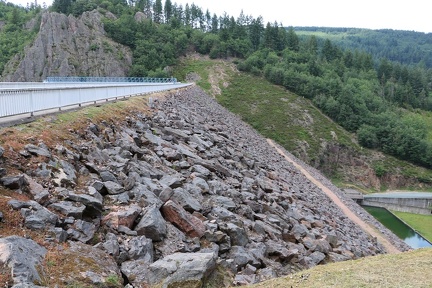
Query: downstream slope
[(183, 194)]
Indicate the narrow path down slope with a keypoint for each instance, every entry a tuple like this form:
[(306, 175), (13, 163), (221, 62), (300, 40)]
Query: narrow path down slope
[(390, 248)]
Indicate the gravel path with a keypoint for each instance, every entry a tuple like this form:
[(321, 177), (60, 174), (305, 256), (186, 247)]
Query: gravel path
[(390, 248)]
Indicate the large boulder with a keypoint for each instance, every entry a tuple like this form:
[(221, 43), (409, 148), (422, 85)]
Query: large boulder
[(186, 222), (22, 256), (177, 270), (152, 224)]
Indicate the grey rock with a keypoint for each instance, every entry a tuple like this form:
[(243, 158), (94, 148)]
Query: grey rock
[(242, 257), (222, 201), (180, 268), (201, 171), (68, 208), (108, 176), (142, 194), (111, 245), (2, 150), (60, 234), (126, 230), (37, 217), (166, 194), (202, 184), (223, 214), (244, 279), (83, 231), (237, 234), (171, 181), (175, 241), (316, 257), (186, 200), (140, 248), (14, 182), (93, 205), (22, 256), (113, 188), (46, 57), (278, 249), (182, 135), (39, 193), (152, 224), (38, 151)]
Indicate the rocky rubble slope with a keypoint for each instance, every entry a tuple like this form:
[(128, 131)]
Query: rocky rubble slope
[(187, 196), (70, 46)]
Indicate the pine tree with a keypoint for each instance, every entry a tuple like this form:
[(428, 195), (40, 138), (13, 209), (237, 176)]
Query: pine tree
[(158, 11), (168, 10)]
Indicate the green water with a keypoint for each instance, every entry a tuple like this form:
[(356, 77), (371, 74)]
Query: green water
[(398, 227)]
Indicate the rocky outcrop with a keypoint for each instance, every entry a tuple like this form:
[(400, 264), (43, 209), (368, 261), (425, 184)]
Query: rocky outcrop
[(69, 46), (170, 196)]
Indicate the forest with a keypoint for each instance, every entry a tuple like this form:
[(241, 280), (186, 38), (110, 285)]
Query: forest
[(379, 99), (394, 45)]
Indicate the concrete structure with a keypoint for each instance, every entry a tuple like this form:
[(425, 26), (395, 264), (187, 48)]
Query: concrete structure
[(412, 202)]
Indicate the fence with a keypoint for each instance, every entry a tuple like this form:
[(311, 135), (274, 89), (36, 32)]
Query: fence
[(110, 79), (21, 98)]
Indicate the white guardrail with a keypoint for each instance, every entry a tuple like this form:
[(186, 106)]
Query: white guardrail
[(29, 97)]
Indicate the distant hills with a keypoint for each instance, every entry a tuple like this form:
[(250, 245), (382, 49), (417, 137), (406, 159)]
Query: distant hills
[(406, 47)]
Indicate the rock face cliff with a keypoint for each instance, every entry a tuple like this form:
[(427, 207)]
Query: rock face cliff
[(172, 198), (69, 46)]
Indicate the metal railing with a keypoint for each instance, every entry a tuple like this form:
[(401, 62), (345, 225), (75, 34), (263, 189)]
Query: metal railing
[(43, 96), (110, 80)]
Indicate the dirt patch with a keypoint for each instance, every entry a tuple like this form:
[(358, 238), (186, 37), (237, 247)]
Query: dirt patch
[(219, 78)]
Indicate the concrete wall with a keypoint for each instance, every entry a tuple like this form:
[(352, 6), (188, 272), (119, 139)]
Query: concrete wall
[(411, 205)]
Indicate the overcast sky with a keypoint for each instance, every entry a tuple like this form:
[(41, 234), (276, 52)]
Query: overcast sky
[(374, 14)]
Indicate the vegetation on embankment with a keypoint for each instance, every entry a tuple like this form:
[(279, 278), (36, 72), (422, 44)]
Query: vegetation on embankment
[(408, 269), (420, 223)]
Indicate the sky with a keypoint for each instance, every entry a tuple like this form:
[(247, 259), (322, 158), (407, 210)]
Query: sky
[(413, 15)]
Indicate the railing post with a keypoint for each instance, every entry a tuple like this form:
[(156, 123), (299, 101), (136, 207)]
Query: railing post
[(31, 104)]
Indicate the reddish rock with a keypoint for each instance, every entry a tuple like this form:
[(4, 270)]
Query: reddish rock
[(186, 222), (124, 216)]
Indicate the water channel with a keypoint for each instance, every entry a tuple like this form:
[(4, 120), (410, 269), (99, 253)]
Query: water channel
[(398, 227)]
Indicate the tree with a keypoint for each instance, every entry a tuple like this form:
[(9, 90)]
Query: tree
[(61, 6), (256, 29), (158, 12), (293, 40), (168, 10)]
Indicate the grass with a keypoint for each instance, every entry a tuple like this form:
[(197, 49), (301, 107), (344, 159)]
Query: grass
[(409, 269), (420, 223)]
